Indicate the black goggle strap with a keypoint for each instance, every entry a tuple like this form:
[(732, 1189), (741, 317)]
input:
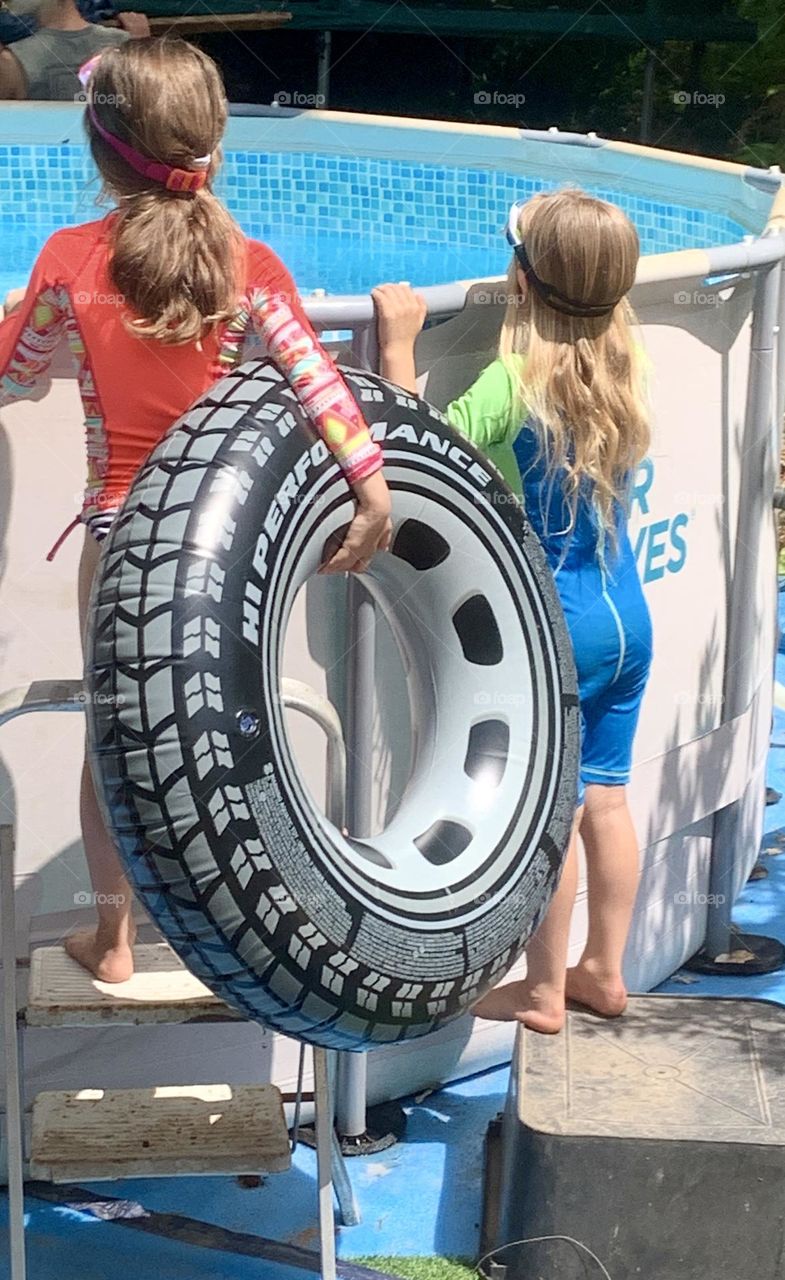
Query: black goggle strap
[(553, 298)]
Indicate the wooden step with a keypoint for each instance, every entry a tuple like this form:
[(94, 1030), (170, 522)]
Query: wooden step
[(169, 1130), (63, 994)]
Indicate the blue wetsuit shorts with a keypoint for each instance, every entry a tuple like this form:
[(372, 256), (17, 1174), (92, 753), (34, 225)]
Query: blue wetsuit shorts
[(605, 610), (610, 629)]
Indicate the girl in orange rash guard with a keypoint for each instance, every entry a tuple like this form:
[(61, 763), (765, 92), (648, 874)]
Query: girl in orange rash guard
[(155, 301)]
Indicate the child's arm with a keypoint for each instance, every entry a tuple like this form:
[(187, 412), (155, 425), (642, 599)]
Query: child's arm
[(29, 335), (486, 414), (400, 315), (318, 385), (13, 86), (490, 414), (278, 318)]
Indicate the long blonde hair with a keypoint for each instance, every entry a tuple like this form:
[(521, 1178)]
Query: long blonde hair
[(175, 255), (581, 379)]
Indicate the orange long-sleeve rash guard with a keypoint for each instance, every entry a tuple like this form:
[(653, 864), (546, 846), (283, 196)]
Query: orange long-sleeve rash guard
[(133, 389)]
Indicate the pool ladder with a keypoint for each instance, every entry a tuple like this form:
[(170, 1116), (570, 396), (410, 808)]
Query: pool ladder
[(253, 1131)]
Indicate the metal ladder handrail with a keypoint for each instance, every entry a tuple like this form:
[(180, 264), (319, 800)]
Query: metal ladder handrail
[(68, 696)]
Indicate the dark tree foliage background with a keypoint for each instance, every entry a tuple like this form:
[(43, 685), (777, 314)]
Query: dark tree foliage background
[(736, 92)]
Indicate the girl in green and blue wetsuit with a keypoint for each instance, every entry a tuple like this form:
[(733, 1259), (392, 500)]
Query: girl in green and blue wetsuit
[(561, 412)]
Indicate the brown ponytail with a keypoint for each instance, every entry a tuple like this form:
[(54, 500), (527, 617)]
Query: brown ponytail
[(175, 256)]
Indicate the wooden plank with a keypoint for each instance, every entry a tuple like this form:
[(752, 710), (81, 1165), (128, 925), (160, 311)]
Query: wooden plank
[(168, 1130), (201, 23), (63, 994)]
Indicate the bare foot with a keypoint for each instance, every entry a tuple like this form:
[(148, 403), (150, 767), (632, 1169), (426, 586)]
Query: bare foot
[(108, 961), (539, 1008), (603, 994)]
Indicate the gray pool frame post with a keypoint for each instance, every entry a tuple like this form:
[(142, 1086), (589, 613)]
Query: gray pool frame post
[(325, 39), (649, 87), (361, 644), (758, 480), (352, 1077), (780, 376)]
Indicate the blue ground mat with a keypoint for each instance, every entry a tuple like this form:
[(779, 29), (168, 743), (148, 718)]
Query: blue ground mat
[(421, 1197)]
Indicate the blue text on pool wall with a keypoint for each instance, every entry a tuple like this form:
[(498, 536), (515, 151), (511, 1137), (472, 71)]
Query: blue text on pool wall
[(660, 545)]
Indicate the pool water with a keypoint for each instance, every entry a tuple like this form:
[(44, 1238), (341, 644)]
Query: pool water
[(340, 223), (338, 263)]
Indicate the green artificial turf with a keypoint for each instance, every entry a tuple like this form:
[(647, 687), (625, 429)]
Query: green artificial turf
[(421, 1268)]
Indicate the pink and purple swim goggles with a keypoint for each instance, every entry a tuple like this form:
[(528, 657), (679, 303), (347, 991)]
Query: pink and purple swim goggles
[(174, 179)]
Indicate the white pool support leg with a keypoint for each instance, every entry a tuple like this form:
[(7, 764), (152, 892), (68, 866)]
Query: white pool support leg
[(14, 1103), (758, 479), (351, 1098)]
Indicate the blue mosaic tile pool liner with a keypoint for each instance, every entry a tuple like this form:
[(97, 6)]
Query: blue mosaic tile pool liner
[(42, 187)]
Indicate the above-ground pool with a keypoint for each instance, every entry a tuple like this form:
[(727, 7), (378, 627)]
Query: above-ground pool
[(350, 202)]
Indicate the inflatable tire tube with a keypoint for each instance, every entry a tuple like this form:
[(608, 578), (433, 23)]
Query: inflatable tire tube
[(348, 944)]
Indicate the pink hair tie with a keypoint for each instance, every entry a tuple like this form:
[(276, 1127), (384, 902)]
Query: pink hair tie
[(174, 179), (87, 69)]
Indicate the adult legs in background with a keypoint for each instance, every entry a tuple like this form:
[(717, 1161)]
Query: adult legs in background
[(612, 870), (538, 1001), (106, 950)]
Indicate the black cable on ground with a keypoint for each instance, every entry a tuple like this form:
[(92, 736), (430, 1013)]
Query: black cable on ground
[(204, 1235)]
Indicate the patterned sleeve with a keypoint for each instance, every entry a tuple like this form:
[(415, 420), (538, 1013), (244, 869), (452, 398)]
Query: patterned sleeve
[(316, 382), (29, 336)]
